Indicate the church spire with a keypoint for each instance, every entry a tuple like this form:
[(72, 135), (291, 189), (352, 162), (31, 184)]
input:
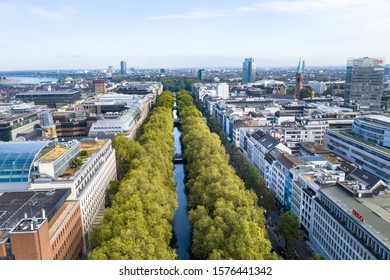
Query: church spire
[(298, 80), (299, 68)]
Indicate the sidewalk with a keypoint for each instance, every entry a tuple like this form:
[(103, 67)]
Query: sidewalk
[(299, 250)]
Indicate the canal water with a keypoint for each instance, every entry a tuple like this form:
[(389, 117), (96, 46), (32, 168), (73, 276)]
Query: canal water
[(181, 224)]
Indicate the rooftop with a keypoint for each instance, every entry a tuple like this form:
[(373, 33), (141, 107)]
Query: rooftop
[(332, 158), (30, 224), (374, 210), (16, 159), (92, 146), (55, 153), (347, 133), (315, 147), (377, 120), (15, 205), (57, 92)]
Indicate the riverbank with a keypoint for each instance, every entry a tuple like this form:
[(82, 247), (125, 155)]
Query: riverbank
[(9, 81)]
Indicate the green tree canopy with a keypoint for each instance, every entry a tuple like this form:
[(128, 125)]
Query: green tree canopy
[(288, 227)]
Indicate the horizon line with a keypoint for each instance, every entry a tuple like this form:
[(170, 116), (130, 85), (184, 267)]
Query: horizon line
[(169, 68)]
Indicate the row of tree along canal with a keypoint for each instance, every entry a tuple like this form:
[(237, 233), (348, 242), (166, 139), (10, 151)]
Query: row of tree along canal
[(138, 225), (226, 223)]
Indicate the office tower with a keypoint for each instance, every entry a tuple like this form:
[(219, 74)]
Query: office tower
[(249, 71), (110, 69), (298, 80), (200, 74), (364, 83), (123, 68)]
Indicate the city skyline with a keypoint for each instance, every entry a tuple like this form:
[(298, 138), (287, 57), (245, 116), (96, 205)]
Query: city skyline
[(75, 35)]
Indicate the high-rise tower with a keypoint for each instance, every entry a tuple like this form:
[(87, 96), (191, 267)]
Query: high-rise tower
[(298, 80), (249, 71), (200, 74), (123, 68), (364, 83)]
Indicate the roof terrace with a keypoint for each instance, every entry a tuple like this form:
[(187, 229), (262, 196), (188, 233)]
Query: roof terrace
[(55, 153), (347, 133)]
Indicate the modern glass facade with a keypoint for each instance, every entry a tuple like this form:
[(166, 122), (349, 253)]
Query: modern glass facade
[(370, 157), (364, 83), (16, 159), (249, 71), (53, 99), (373, 128)]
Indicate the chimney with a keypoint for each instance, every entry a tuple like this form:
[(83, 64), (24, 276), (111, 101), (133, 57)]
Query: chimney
[(31, 225), (25, 215), (43, 213)]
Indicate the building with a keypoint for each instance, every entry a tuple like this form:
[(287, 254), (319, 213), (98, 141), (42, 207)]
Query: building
[(40, 225), (373, 128), (365, 145), (127, 114), (298, 80), (53, 99), (318, 87), (257, 146), (200, 74), (67, 124), (141, 89), (364, 83), (13, 127), (123, 68), (48, 126), (84, 167), (291, 134), (351, 222), (249, 71), (341, 208), (210, 90), (99, 86)]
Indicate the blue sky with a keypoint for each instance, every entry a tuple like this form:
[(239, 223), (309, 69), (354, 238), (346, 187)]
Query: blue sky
[(179, 33)]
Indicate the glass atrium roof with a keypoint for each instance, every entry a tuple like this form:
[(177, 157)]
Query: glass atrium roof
[(16, 159)]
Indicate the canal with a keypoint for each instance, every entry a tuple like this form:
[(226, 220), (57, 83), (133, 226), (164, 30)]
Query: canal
[(181, 224)]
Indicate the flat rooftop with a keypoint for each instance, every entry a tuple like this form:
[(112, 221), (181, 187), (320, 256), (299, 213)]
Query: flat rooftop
[(14, 205), (332, 158), (378, 120), (92, 146), (315, 147), (347, 133), (30, 224), (375, 210), (56, 92), (55, 153)]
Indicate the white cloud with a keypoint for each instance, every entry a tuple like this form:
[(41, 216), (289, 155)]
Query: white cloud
[(193, 15), (61, 13), (363, 11)]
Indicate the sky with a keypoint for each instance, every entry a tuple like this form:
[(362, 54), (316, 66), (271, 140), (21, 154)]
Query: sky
[(84, 34)]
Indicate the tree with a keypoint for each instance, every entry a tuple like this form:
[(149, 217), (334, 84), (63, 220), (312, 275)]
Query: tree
[(226, 222), (288, 227), (165, 99), (317, 257), (138, 224), (305, 93)]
